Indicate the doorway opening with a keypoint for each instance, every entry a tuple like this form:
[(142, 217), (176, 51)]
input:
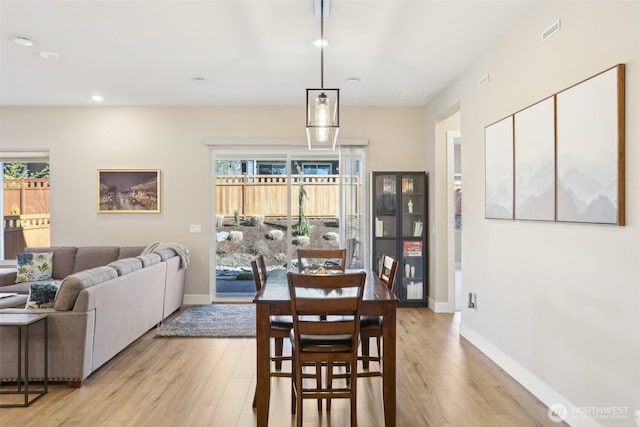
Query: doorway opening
[(454, 218)]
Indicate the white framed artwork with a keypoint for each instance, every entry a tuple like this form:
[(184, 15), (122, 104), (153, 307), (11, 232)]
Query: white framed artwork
[(534, 158), (498, 153), (590, 150)]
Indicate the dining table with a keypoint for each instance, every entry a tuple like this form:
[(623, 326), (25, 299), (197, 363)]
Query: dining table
[(273, 300)]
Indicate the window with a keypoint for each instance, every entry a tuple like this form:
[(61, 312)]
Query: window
[(25, 202)]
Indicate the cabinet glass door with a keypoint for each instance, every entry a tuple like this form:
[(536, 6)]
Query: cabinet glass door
[(386, 206)]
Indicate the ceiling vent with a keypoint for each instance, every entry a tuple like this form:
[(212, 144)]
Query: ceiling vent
[(554, 28)]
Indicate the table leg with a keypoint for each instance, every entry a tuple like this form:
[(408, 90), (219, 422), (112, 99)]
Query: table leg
[(46, 355), (263, 381), (389, 364)]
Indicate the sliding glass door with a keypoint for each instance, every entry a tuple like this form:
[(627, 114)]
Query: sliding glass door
[(271, 204)]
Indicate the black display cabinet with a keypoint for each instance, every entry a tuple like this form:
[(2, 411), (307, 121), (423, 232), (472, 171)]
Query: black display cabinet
[(400, 231)]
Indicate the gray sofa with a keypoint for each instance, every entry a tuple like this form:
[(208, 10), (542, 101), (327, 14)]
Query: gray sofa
[(108, 298)]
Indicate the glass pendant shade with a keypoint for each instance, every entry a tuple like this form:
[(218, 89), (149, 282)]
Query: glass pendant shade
[(323, 118)]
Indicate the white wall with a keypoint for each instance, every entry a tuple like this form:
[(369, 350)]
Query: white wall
[(557, 304), (82, 140)]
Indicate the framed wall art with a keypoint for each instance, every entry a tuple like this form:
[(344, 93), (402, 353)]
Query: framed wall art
[(128, 190), (590, 150), (534, 158), (498, 151)]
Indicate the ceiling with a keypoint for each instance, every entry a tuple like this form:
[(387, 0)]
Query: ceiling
[(258, 52)]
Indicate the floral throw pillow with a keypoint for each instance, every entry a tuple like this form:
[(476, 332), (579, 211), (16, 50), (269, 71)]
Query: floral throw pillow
[(34, 266), (42, 295)]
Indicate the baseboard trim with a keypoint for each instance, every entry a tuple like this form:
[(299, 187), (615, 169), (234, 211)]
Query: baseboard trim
[(535, 385), (440, 307), (196, 299)]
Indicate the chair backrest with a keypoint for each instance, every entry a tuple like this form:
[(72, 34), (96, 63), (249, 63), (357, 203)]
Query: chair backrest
[(353, 259), (388, 270), (329, 259), (259, 269), (326, 304)]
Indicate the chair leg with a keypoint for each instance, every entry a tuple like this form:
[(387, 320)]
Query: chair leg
[(299, 398), (329, 383), (354, 408), (279, 344), (319, 382), (365, 353), (294, 400)]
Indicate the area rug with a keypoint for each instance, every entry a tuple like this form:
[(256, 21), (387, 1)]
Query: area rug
[(212, 320)]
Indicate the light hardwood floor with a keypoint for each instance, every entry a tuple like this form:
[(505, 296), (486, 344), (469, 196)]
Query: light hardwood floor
[(442, 381)]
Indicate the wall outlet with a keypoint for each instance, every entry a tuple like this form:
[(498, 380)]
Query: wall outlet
[(195, 228), (472, 301)]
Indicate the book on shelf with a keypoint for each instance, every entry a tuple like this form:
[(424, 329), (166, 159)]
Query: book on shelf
[(411, 248), (379, 227), (417, 228), (414, 290), (388, 185), (407, 185)]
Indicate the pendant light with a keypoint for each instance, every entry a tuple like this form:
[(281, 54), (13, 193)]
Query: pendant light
[(323, 107)]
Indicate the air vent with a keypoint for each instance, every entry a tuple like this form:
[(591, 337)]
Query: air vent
[(483, 80), (554, 28)]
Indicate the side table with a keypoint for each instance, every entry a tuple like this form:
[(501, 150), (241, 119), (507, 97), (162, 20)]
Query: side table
[(23, 322)]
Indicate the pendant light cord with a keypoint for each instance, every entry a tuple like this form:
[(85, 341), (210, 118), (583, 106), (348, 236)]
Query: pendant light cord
[(321, 44)]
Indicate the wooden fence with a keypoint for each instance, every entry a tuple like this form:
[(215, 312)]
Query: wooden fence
[(26, 221), (267, 194), (22, 231), (26, 196)]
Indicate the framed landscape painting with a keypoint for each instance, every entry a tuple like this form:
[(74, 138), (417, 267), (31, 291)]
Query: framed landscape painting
[(590, 150), (128, 190), (498, 152), (534, 145)]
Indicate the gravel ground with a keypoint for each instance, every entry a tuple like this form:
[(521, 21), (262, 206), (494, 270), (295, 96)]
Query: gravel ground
[(231, 255)]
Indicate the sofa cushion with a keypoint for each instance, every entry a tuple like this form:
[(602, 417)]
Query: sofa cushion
[(42, 295), (95, 256), (73, 284), (149, 259), (130, 251), (64, 258), (126, 265), (34, 266)]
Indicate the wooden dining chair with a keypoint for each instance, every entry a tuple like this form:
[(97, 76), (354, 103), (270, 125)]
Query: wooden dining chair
[(279, 329), (259, 269), (371, 326), (280, 326), (328, 259), (326, 322)]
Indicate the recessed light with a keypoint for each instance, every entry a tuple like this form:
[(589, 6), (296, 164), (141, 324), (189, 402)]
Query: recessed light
[(320, 42), (23, 41), (97, 97), (49, 55), (353, 80)]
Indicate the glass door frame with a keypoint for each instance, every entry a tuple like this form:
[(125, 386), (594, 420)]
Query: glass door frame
[(287, 151)]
